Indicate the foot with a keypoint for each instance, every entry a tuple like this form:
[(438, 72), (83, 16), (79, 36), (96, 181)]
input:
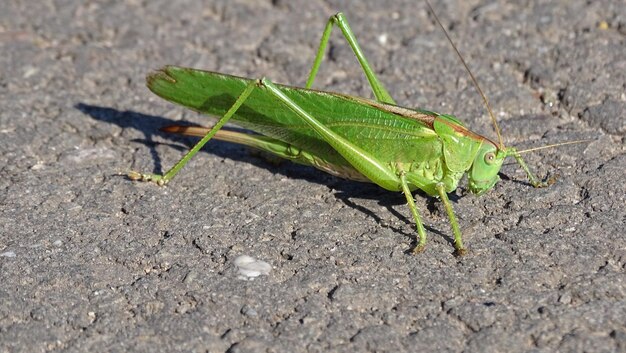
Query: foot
[(155, 178), (460, 252), (418, 249), (547, 182)]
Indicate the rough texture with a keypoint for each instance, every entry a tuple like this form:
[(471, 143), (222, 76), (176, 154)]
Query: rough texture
[(90, 261)]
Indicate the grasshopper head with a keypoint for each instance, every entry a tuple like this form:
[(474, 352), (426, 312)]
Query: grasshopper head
[(483, 173)]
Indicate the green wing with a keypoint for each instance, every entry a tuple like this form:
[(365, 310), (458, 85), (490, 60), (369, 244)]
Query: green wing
[(384, 133)]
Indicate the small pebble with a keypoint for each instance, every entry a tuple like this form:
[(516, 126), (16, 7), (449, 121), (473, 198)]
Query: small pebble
[(250, 268)]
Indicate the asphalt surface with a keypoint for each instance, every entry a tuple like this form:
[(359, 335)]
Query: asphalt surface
[(90, 261)]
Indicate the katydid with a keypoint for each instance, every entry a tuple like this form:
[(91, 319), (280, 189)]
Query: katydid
[(397, 148)]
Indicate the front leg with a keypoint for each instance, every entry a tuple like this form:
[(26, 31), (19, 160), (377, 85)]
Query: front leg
[(531, 177), (458, 240)]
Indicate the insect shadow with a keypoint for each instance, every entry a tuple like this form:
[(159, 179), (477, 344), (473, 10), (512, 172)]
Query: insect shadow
[(346, 190)]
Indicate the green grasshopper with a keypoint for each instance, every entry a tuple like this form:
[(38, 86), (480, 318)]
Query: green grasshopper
[(397, 148)]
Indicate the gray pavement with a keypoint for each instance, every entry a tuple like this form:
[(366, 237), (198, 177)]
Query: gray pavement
[(90, 261)]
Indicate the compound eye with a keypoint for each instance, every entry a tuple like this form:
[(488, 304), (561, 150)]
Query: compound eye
[(490, 158)]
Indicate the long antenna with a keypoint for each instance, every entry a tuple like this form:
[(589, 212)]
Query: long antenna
[(553, 145), (493, 118)]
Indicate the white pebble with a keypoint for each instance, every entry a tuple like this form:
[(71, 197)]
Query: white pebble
[(8, 254), (250, 268), (382, 39)]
